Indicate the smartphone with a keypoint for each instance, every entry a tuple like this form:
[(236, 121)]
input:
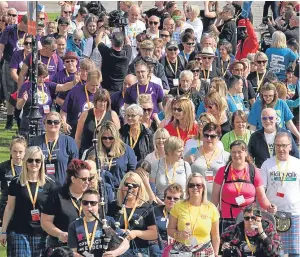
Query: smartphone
[(193, 150)]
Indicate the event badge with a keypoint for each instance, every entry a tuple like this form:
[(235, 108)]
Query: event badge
[(46, 108), (20, 44), (280, 192), (209, 176), (176, 82), (207, 80), (87, 254), (50, 169), (35, 215), (240, 200), (239, 106), (163, 219)]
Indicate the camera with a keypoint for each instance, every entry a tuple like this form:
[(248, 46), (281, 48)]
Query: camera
[(257, 213), (231, 252), (266, 19), (116, 19)]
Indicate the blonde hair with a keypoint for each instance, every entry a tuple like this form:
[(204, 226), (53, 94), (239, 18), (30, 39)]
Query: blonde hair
[(94, 74), (30, 151), (208, 116), (204, 194), (188, 109), (278, 40), (160, 133), (260, 55), (195, 9), (221, 86), (142, 195), (158, 42), (145, 99), (87, 64), (268, 87), (215, 97), (172, 144), (93, 172), (281, 90)]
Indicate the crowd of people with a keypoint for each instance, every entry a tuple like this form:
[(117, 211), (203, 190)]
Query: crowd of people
[(166, 132)]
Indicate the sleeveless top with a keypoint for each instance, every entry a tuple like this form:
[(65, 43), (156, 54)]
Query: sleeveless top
[(89, 128)]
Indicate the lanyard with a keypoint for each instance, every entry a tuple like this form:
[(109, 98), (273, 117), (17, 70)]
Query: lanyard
[(33, 200), (90, 240), (238, 185), (49, 59), (43, 96), (12, 168), (196, 220), (282, 176), (259, 82), (222, 67), (87, 97), (208, 162), (165, 213), (76, 206), (50, 151), (252, 248), (171, 68), (204, 74), (243, 137), (67, 73), (187, 95), (126, 220), (179, 136), (131, 141), (96, 122), (138, 89), (109, 161), (233, 100), (174, 172)]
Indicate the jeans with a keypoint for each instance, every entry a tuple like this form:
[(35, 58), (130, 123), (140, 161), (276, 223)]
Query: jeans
[(274, 9), (155, 251)]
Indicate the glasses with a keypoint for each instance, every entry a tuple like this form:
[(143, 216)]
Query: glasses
[(131, 116), (126, 184), (265, 118), (247, 218), (86, 203), (209, 136), (198, 59), (86, 179), (205, 57), (164, 35), (172, 49), (202, 122), (108, 138), (172, 198), (70, 61), (52, 122), (42, 18), (153, 22), (190, 44), (147, 109), (12, 15), (193, 185), (65, 12), (177, 109), (195, 71), (261, 61), (27, 44), (284, 146), (37, 161)]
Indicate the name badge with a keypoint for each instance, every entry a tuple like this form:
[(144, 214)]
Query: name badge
[(163, 219), (46, 108), (239, 106), (209, 176), (280, 192), (50, 169), (207, 80), (175, 82), (240, 200), (35, 215), (87, 254)]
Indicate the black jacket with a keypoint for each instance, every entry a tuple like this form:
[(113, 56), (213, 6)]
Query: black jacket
[(228, 32), (289, 32), (144, 145), (258, 147)]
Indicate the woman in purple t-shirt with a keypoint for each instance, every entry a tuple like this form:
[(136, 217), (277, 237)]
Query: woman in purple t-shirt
[(45, 95)]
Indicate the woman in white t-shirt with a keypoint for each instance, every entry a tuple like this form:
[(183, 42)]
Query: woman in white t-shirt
[(192, 12)]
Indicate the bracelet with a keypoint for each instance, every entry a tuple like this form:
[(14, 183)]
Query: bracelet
[(3, 233), (263, 236), (262, 232)]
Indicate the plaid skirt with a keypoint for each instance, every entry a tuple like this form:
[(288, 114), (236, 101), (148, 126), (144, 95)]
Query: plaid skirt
[(180, 250), (291, 239), (21, 245)]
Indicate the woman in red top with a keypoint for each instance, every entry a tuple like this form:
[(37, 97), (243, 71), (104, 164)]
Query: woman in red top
[(238, 185), (183, 124)]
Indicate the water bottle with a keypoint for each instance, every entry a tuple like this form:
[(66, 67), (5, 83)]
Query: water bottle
[(188, 229)]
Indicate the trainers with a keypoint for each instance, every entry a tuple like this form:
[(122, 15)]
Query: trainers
[(262, 26)]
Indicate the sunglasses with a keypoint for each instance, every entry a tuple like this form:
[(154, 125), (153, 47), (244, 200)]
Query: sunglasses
[(52, 122), (37, 161), (27, 44), (262, 61), (177, 109), (70, 61), (86, 203), (153, 22), (147, 109), (164, 35), (86, 179), (195, 71), (12, 15), (190, 44), (209, 136), (198, 59), (126, 184), (205, 57), (265, 118), (173, 49), (42, 18), (193, 185), (108, 138), (172, 198), (247, 218), (67, 12)]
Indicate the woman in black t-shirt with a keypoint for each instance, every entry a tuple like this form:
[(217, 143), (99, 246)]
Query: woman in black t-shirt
[(26, 197), (135, 207)]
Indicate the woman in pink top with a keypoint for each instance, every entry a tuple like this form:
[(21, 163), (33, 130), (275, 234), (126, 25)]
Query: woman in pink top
[(237, 184)]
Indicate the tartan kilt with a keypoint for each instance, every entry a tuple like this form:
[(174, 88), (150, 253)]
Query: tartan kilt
[(225, 223), (21, 245), (291, 238)]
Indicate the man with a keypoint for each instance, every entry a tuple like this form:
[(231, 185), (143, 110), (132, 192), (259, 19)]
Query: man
[(227, 31), (209, 69), (261, 143), (66, 12), (147, 50), (158, 11), (171, 7), (61, 43), (153, 23), (79, 19), (12, 14), (115, 60), (3, 7), (124, 7), (63, 28), (12, 39), (169, 25), (249, 42), (135, 26), (235, 89), (281, 176)]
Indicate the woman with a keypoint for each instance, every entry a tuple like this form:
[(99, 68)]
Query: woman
[(58, 148), (280, 57), (91, 119), (159, 48), (26, 197), (135, 134), (208, 158), (269, 98), (116, 157), (186, 78), (11, 168), (192, 13), (90, 26), (63, 205), (79, 231), (237, 184), (239, 132), (144, 86), (211, 11), (195, 221), (76, 43), (226, 58), (169, 169), (149, 119), (159, 138), (188, 42), (46, 93), (135, 205), (195, 67), (183, 125), (197, 141), (51, 28)]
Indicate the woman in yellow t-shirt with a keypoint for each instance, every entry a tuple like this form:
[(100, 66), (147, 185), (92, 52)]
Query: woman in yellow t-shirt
[(194, 222)]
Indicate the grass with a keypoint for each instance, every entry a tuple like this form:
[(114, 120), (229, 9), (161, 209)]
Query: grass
[(52, 16), (5, 139)]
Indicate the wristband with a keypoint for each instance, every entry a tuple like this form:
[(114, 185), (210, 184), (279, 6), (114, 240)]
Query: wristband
[(3, 233)]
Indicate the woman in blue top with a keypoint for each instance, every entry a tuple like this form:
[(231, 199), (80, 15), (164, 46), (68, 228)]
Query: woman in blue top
[(76, 43), (280, 57), (269, 99)]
